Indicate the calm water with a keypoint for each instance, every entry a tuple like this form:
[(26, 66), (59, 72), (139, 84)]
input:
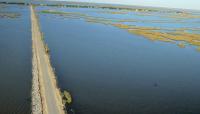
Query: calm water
[(109, 71), (15, 60)]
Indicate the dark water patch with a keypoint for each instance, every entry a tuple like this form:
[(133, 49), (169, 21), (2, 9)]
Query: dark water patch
[(15, 62)]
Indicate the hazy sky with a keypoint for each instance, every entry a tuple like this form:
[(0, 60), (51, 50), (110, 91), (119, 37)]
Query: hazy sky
[(186, 4)]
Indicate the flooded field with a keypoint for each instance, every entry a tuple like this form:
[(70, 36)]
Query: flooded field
[(15, 59), (138, 61)]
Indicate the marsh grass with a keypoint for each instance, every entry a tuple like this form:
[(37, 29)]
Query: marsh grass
[(151, 33), (10, 15), (183, 15), (53, 12), (61, 13)]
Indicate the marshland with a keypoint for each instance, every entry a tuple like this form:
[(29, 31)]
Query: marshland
[(125, 61), (109, 59)]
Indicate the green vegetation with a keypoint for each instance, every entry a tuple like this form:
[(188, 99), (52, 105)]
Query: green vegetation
[(53, 12), (69, 5), (129, 8), (67, 99), (88, 5)]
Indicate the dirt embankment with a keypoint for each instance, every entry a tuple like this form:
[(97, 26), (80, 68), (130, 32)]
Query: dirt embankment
[(46, 95)]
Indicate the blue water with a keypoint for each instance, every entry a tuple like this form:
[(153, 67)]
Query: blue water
[(15, 61), (109, 71)]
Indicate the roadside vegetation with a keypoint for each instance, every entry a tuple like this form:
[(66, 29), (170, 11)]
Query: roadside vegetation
[(67, 102)]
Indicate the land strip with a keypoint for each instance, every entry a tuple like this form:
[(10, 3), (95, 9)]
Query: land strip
[(49, 94)]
